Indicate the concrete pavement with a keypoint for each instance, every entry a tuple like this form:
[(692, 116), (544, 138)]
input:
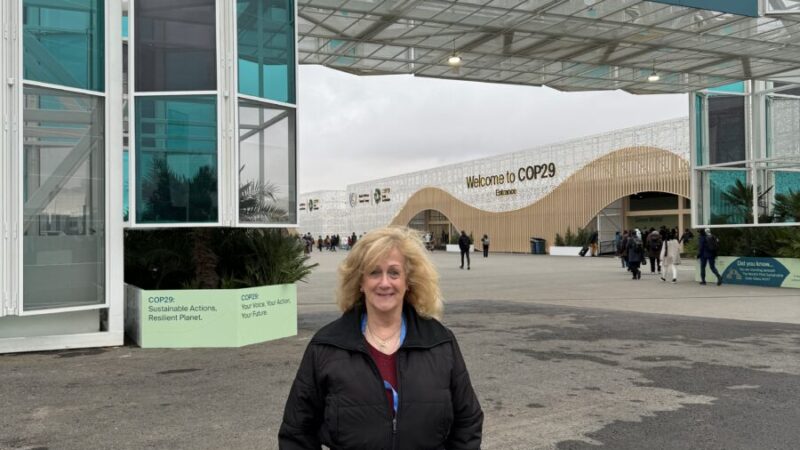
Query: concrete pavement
[(563, 352)]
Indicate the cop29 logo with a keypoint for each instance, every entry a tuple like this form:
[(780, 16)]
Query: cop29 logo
[(352, 199), (377, 196)]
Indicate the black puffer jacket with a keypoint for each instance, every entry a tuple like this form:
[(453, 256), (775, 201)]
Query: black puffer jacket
[(338, 397)]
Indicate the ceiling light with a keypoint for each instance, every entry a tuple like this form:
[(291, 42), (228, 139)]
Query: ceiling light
[(653, 75), (454, 59)]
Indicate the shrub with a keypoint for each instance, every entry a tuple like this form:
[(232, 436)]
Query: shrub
[(575, 240), (212, 258)]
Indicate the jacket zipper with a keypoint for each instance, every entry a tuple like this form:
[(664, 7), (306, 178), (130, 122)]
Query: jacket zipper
[(377, 373), (399, 362)]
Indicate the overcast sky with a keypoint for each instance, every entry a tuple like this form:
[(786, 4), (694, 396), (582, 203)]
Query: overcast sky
[(353, 129)]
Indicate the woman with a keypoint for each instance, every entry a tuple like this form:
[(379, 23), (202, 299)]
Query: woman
[(485, 243), (671, 256), (635, 254), (386, 374)]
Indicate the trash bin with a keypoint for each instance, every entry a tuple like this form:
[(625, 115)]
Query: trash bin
[(538, 246)]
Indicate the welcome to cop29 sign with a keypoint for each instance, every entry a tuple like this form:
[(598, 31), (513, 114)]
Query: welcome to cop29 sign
[(528, 173)]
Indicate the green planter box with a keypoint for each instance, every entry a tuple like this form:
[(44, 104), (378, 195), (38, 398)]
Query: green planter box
[(773, 272), (210, 318)]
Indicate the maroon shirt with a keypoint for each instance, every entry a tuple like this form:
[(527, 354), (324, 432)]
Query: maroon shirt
[(387, 366)]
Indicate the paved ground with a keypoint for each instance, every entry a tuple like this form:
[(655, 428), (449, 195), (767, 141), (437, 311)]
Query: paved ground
[(564, 353)]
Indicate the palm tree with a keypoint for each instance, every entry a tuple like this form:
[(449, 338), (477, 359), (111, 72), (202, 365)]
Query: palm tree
[(257, 203), (787, 207), (740, 198)]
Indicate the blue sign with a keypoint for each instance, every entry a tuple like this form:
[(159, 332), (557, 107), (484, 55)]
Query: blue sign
[(740, 7), (755, 271)]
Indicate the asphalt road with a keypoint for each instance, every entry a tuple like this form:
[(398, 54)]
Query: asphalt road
[(564, 353)]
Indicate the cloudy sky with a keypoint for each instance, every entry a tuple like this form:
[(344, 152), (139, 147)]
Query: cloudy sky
[(354, 129)]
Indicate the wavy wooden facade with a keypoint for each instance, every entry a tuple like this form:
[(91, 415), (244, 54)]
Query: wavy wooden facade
[(572, 204)]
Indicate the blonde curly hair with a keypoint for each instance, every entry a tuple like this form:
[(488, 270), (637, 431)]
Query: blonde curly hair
[(421, 276)]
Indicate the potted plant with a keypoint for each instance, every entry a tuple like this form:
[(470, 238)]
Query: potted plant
[(212, 287)]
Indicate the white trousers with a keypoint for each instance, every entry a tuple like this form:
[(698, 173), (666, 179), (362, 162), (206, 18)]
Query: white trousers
[(674, 271)]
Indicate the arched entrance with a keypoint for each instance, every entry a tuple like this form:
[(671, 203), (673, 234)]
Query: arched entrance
[(654, 209), (433, 222), (642, 210)]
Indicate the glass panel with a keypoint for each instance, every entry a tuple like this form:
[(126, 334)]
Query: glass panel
[(267, 185), (725, 197), (786, 206), (266, 49), (726, 125), (176, 159), (63, 43), (175, 45), (125, 185), (737, 87), (64, 200), (783, 127), (699, 128), (790, 88)]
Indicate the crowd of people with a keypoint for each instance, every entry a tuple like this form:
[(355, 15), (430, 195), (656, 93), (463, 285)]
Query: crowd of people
[(662, 248), (329, 242)]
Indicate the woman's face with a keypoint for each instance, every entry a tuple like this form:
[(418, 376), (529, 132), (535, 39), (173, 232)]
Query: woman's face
[(385, 285)]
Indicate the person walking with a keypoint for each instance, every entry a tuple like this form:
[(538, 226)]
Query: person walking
[(593, 238), (463, 245), (622, 249), (670, 256), (707, 253), (485, 244), (654, 242), (686, 237), (635, 254), (387, 373)]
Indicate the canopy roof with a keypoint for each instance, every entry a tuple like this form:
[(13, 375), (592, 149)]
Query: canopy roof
[(569, 45)]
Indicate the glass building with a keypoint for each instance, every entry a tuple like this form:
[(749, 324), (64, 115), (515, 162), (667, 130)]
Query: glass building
[(182, 113), (189, 106), (746, 153)]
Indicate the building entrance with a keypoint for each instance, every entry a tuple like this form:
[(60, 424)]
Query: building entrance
[(647, 210), (435, 223)]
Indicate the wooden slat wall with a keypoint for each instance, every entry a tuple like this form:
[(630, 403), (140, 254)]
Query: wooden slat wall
[(572, 204)]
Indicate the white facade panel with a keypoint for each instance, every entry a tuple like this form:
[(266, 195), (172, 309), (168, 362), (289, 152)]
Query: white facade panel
[(324, 213), (374, 203)]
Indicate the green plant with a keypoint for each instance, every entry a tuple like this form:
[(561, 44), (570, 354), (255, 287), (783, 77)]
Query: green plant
[(257, 202), (690, 248), (210, 258), (275, 258), (790, 243), (582, 238), (569, 238), (740, 198), (787, 207), (572, 239)]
